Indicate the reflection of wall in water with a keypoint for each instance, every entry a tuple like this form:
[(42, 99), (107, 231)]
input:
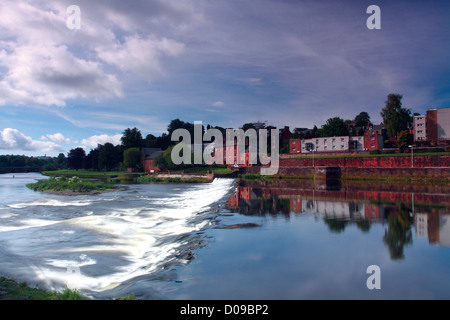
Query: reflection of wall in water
[(436, 227), (335, 209)]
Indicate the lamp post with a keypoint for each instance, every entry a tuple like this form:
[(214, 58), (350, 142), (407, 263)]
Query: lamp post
[(412, 155)]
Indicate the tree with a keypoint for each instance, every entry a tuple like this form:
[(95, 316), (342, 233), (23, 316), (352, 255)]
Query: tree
[(150, 141), (132, 157), (91, 160), (362, 119), (394, 116), (75, 158), (108, 157), (404, 140), (315, 131), (61, 161), (132, 138), (334, 127)]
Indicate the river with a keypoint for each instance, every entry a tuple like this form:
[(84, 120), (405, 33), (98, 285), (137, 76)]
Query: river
[(295, 240)]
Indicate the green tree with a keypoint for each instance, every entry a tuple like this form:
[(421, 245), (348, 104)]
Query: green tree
[(61, 161), (108, 157), (132, 157), (132, 138), (75, 158), (151, 141), (362, 119), (91, 161), (334, 127), (404, 140), (394, 116)]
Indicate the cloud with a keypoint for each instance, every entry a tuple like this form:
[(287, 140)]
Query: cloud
[(218, 104), (42, 62), (12, 139), (141, 56), (49, 75), (93, 141), (58, 137)]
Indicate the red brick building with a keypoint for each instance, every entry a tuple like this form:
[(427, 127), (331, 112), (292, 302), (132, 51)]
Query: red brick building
[(295, 146), (373, 141), (232, 157), (148, 156)]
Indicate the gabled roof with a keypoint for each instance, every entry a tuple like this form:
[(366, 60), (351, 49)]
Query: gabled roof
[(151, 153)]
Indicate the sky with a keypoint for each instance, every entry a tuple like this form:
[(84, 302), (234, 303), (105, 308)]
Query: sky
[(143, 63)]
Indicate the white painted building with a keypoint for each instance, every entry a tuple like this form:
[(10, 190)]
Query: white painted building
[(332, 144), (420, 128)]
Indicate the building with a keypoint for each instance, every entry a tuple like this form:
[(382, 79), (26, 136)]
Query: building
[(433, 127), (295, 146), (232, 157), (373, 140), (285, 133), (332, 144), (420, 128), (148, 156)]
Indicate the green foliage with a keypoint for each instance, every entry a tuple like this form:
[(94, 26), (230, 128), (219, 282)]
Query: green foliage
[(132, 157), (75, 158), (362, 119), (73, 184), (15, 291), (108, 157), (394, 116), (404, 140), (152, 179), (334, 127), (132, 138)]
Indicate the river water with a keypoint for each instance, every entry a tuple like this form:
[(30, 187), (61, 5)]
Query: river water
[(296, 240)]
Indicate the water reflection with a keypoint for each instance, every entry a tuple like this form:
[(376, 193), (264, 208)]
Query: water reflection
[(401, 208)]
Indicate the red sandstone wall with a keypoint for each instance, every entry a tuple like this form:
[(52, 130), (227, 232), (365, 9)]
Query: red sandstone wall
[(370, 162)]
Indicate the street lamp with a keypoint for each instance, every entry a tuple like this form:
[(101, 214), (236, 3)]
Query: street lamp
[(412, 155)]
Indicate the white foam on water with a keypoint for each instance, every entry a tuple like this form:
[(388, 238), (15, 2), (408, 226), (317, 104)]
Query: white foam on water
[(138, 235), (50, 202)]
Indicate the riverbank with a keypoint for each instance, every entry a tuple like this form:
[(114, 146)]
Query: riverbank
[(10, 289), (71, 186)]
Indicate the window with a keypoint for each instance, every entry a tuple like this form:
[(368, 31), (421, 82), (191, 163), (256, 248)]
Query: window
[(325, 140), (293, 142), (334, 147), (372, 138), (372, 146), (342, 139), (342, 146), (325, 147)]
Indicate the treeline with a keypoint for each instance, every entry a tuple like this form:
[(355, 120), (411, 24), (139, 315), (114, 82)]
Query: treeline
[(127, 154), (9, 162)]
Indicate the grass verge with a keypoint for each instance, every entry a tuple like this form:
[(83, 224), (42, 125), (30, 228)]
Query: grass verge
[(73, 184), (10, 289)]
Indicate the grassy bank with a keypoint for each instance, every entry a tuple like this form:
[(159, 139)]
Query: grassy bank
[(73, 184), (10, 289), (88, 174), (153, 179)]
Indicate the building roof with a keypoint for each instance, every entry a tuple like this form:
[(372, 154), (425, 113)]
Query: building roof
[(151, 153)]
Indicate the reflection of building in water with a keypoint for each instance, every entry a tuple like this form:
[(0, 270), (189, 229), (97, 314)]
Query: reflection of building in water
[(342, 209), (256, 201), (434, 226)]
